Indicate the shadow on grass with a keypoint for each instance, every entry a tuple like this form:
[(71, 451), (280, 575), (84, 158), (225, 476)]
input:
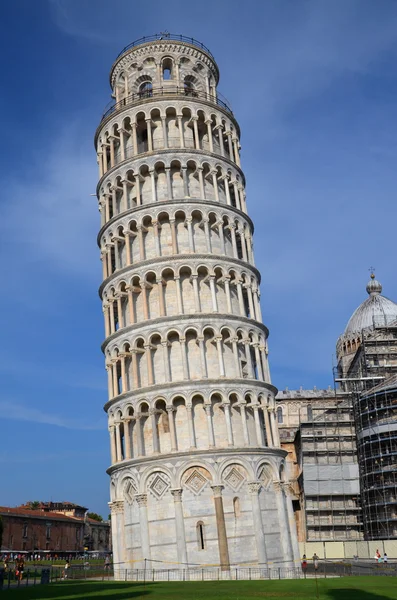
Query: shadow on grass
[(358, 594), (81, 591)]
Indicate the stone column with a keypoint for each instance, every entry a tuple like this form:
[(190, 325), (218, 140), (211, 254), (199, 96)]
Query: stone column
[(189, 222), (210, 427), (128, 248), (220, 356), (109, 370), (111, 314), (227, 191), (207, 235), (141, 243), (115, 378), (248, 358), (127, 438), (240, 297), (156, 237), (258, 313), (141, 500), (148, 350), (202, 357), (113, 451), (160, 285), (221, 528), (293, 538), (105, 311), (174, 445), (138, 189), (164, 127), (179, 526), (134, 368), (236, 195), (213, 293), (226, 408), (229, 143), (196, 293), (149, 135), (122, 146), (283, 522), (234, 242), (119, 311), (185, 365), (250, 303), (209, 133), (134, 139), (243, 414), (192, 436), (221, 143), (181, 132), (185, 182), (221, 237), (117, 520), (237, 364), (145, 302), (268, 429), (196, 133), (139, 435), (173, 237), (215, 184), (254, 489), (123, 374), (153, 182), (258, 361), (119, 452), (201, 182), (274, 427), (156, 443), (258, 427), (166, 361), (236, 152), (179, 295), (130, 304), (228, 296)]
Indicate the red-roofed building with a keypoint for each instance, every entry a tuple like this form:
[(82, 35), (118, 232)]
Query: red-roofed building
[(38, 530)]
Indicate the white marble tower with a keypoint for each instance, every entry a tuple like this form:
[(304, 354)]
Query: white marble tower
[(196, 465)]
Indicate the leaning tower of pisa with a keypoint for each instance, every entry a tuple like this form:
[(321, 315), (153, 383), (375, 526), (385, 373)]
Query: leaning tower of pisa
[(197, 472)]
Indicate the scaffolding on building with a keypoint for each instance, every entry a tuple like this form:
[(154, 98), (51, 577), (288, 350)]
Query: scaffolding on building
[(329, 473), (371, 382)]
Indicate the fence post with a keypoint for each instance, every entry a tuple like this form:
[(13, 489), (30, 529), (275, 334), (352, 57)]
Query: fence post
[(250, 573), (279, 572), (27, 577)]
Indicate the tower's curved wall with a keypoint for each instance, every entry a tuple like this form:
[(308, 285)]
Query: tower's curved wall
[(197, 469)]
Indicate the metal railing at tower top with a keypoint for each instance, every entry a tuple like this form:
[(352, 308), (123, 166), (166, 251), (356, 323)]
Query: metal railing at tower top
[(167, 91), (165, 37)]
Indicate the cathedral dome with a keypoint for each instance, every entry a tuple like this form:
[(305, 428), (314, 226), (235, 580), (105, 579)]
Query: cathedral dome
[(375, 310)]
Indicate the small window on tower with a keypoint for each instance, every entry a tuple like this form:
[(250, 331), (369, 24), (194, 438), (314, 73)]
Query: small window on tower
[(167, 69), (200, 535)]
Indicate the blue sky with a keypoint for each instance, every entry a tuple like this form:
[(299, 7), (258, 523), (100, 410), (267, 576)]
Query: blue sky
[(313, 85)]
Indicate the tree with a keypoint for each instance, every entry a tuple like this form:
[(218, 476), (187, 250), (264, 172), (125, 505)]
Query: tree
[(95, 516), (34, 505), (1, 531)]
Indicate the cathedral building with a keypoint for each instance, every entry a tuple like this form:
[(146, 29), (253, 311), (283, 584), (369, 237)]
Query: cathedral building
[(197, 472), (342, 443)]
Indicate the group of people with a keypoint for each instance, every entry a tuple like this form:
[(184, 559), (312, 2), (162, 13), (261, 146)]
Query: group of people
[(19, 565), (379, 559), (315, 562)]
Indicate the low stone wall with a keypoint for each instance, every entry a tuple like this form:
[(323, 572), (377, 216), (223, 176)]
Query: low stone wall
[(342, 550)]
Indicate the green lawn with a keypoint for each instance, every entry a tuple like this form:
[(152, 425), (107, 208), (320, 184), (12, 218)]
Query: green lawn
[(347, 588)]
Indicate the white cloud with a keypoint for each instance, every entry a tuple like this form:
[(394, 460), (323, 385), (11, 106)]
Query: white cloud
[(19, 412), (52, 217)]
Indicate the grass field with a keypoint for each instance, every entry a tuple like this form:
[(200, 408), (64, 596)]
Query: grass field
[(347, 588)]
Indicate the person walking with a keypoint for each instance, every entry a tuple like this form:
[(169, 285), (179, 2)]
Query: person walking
[(385, 558), (304, 565), (107, 563), (315, 562)]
